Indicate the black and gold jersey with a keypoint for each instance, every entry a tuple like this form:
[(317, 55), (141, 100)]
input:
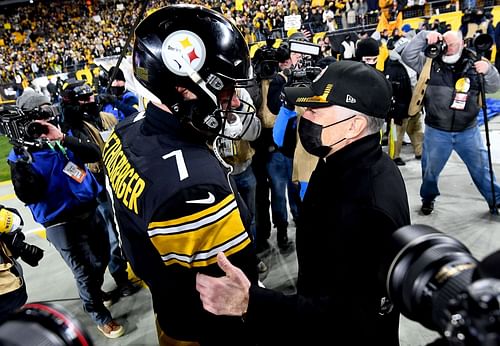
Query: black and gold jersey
[(175, 209)]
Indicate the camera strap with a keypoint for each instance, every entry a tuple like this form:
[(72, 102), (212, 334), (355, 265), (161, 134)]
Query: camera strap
[(417, 98)]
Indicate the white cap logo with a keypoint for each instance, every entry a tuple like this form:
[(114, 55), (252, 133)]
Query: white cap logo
[(349, 99), (183, 48)]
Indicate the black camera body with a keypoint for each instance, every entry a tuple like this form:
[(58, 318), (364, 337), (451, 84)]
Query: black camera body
[(30, 254), (21, 127), (266, 62), (433, 279), (435, 50), (303, 76), (266, 59)]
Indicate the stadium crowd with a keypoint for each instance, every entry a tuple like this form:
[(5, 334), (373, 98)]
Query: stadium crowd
[(50, 37)]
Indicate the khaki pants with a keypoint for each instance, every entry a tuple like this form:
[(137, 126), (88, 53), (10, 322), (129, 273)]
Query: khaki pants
[(413, 127)]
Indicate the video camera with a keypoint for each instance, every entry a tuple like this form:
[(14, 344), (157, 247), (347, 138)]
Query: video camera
[(303, 76), (433, 279), (267, 58), (305, 71), (21, 127)]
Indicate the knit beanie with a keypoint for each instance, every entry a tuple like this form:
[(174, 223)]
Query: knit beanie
[(367, 47)]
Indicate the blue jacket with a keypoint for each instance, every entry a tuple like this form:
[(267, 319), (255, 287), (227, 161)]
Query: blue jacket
[(62, 193), (123, 106)]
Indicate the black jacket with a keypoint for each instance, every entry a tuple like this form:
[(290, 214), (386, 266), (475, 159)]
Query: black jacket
[(274, 93), (176, 210), (354, 201)]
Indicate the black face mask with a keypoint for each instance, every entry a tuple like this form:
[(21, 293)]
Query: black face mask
[(117, 90), (310, 137)]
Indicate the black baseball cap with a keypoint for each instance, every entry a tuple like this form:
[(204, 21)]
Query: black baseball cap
[(350, 84)]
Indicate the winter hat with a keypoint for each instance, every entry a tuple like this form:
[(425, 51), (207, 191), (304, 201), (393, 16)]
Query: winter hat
[(406, 28), (119, 74), (30, 100), (367, 47)]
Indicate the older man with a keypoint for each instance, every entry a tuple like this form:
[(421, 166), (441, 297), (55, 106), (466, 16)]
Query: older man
[(355, 200), (451, 104)]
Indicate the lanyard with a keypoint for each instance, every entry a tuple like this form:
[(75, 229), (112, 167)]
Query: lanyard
[(61, 148)]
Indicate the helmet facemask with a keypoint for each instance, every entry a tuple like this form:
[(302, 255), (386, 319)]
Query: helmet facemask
[(212, 113), (235, 118)]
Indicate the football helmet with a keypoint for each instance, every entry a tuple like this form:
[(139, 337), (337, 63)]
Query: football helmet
[(196, 48)]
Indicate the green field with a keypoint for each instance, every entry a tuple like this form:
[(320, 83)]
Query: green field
[(4, 151)]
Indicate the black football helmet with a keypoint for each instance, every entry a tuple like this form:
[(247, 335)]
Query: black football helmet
[(196, 48)]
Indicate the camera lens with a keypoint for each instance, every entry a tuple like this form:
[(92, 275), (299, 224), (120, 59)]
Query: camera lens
[(429, 269), (35, 129), (43, 324), (432, 51)]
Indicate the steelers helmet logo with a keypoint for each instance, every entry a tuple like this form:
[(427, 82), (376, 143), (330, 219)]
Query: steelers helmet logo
[(183, 49)]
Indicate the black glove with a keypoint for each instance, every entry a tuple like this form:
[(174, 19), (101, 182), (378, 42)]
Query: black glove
[(106, 98)]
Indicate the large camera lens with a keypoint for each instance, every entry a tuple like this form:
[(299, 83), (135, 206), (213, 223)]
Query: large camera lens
[(429, 269), (43, 324), (482, 43), (36, 129), (434, 50)]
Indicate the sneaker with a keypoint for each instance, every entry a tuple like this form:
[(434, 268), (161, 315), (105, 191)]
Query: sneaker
[(399, 161), (112, 329), (128, 288), (427, 207), (107, 299), (261, 267)]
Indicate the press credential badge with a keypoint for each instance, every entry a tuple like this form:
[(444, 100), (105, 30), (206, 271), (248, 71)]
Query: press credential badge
[(74, 172)]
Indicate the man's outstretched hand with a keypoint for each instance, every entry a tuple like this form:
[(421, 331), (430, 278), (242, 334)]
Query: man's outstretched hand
[(226, 295)]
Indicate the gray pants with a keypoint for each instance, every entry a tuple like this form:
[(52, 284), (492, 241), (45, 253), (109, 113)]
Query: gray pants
[(84, 246)]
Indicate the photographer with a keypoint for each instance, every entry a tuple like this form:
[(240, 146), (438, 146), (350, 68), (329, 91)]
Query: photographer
[(12, 287), (356, 198), (269, 62), (49, 174), (452, 104), (279, 164)]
